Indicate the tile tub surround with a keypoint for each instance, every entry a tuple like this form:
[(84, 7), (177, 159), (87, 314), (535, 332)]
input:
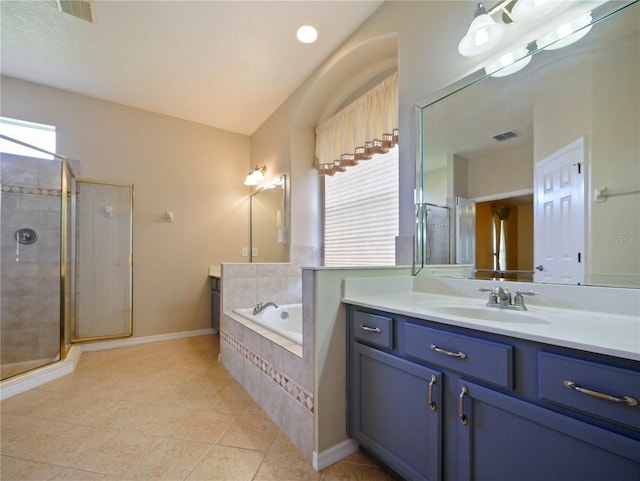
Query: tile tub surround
[(261, 361), (277, 379), (163, 410)]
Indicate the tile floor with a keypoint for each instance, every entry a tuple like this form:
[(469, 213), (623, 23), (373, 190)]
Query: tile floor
[(161, 411)]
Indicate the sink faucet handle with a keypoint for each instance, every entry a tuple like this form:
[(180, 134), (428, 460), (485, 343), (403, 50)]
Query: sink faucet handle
[(518, 300), (527, 293)]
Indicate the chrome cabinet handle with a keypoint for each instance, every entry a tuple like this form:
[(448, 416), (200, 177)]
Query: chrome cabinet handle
[(439, 350), (433, 381), (463, 418), (375, 330), (628, 400)]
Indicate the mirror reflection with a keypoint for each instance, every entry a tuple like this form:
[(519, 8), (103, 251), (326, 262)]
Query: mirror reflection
[(535, 176), (268, 223)]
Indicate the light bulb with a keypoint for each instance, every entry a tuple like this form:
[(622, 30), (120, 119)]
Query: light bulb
[(307, 34)]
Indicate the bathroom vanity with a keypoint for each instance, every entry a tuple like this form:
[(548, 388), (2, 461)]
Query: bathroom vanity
[(434, 400)]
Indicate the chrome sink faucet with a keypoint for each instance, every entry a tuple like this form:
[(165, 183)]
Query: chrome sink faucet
[(261, 307), (500, 297)]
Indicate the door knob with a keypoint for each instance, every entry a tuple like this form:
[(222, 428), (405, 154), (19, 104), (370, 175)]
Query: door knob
[(540, 268)]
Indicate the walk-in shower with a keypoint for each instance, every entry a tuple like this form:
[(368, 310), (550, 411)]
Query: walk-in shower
[(36, 301), (66, 259)]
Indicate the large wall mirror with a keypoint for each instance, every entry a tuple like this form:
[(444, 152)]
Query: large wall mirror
[(535, 176), (268, 223)]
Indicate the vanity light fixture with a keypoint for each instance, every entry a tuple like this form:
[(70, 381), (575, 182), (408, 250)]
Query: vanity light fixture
[(307, 34), (567, 33), (483, 34), (255, 176), (526, 10), (509, 63)]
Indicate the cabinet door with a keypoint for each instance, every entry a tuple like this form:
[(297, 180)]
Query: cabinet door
[(505, 439), (390, 413)]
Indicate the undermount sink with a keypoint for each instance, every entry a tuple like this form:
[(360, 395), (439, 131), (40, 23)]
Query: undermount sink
[(485, 313)]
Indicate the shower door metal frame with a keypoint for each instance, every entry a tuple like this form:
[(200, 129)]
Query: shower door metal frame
[(74, 329)]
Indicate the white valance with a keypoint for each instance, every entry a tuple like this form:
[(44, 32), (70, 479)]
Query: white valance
[(367, 126)]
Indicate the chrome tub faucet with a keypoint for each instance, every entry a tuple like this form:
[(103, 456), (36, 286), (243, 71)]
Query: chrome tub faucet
[(259, 307)]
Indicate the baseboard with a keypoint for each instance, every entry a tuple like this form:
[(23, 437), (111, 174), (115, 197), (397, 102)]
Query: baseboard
[(132, 341), (37, 377), (334, 454)]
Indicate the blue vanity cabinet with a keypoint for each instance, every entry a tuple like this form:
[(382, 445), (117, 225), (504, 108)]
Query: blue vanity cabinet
[(395, 404), (399, 423), (500, 406), (502, 438)]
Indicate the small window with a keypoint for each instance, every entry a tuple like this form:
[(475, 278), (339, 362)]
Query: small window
[(361, 213), (38, 135)]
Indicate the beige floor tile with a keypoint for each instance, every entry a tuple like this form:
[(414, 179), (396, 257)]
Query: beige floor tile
[(32, 403), (170, 460), (49, 441), (224, 463), (281, 445), (119, 453), (70, 474), (285, 467), (252, 430), (204, 426), (16, 469), (161, 411)]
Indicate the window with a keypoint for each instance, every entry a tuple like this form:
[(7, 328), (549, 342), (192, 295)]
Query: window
[(38, 135), (361, 213)]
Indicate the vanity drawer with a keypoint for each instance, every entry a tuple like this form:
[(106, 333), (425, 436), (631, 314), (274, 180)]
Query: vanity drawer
[(373, 329), (484, 360), (576, 384)]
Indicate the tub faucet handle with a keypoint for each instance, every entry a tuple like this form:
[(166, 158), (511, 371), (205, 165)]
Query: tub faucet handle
[(257, 309)]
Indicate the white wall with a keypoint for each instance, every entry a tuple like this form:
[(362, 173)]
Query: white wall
[(193, 170)]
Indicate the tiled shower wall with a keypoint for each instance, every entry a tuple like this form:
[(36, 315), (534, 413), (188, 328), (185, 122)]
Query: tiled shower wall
[(30, 284)]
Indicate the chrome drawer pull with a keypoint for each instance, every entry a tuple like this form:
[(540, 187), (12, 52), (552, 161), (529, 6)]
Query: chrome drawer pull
[(439, 350), (463, 418), (434, 380), (628, 400), (375, 330)]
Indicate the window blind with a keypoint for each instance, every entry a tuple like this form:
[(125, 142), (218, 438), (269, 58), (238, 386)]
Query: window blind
[(361, 213)]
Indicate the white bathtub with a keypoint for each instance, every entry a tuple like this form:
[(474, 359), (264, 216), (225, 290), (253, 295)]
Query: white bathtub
[(286, 320)]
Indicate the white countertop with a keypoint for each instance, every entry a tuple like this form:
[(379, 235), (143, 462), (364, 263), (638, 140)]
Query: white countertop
[(587, 330)]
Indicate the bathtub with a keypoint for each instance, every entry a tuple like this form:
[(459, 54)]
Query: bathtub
[(286, 320)]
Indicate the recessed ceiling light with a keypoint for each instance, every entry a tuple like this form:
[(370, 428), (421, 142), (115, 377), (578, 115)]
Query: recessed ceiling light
[(307, 34)]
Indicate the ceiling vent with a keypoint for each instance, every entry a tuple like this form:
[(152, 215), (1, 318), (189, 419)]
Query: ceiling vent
[(78, 8), (505, 136)]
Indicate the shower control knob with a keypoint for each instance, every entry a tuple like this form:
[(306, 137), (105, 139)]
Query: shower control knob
[(26, 235)]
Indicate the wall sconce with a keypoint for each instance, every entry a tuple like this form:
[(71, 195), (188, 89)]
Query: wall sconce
[(483, 34), (255, 176)]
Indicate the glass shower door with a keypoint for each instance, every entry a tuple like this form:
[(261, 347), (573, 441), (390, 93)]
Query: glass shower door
[(32, 235), (103, 246)]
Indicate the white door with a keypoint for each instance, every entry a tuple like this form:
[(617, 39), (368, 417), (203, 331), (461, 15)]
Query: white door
[(465, 231), (559, 216)]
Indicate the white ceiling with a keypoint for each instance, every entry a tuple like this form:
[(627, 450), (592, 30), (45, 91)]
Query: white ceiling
[(227, 64)]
